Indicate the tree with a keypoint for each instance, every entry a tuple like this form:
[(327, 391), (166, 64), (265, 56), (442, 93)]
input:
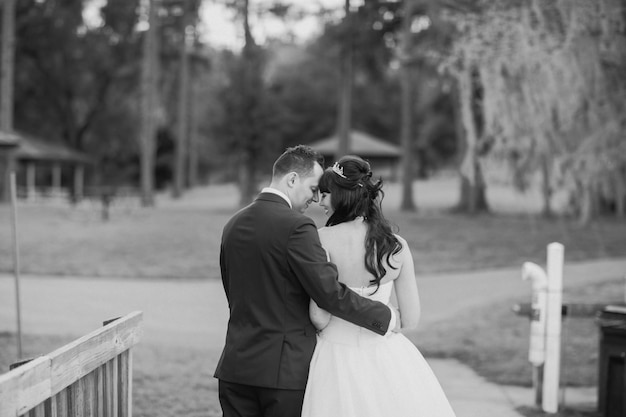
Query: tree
[(6, 88), (182, 142), (408, 108), (472, 196), (552, 99), (425, 129), (8, 63), (149, 97), (344, 116), (65, 71)]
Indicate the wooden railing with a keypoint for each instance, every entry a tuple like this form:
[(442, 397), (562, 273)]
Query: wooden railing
[(91, 376)]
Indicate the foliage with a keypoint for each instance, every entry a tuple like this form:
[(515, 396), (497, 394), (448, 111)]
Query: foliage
[(549, 73), (300, 86), (77, 81), (64, 70)]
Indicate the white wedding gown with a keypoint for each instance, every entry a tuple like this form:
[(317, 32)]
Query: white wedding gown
[(357, 373)]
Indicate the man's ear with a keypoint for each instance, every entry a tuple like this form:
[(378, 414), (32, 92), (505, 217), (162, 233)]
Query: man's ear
[(291, 178)]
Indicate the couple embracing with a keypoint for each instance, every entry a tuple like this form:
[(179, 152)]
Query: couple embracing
[(313, 328)]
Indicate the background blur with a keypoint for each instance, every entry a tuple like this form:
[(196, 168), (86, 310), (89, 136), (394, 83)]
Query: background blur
[(138, 96), (136, 128)]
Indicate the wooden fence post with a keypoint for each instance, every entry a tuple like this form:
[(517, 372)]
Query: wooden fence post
[(91, 376)]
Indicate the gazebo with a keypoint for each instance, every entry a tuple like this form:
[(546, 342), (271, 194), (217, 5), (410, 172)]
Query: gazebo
[(382, 156), (38, 161)]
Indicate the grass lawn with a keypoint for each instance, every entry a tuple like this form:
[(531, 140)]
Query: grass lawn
[(177, 242), (182, 242), (494, 341)]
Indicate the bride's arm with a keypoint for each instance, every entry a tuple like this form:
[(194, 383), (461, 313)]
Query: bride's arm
[(319, 317), (405, 288)]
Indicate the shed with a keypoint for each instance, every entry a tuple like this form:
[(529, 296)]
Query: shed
[(382, 155), (39, 161)]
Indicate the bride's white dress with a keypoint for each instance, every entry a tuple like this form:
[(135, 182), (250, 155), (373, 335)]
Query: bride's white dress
[(357, 373)]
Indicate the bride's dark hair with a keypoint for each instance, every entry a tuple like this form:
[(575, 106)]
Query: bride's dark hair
[(354, 194)]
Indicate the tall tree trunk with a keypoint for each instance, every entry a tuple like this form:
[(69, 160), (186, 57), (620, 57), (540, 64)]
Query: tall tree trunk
[(472, 196), (546, 187), (407, 111), (8, 63), (193, 136), (344, 118), (7, 157), (620, 193), (247, 186), (182, 139), (587, 203), (148, 105)]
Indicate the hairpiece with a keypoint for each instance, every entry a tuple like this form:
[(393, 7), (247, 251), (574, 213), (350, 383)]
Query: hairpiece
[(337, 169)]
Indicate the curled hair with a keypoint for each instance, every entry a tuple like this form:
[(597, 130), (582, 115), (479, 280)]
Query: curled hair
[(354, 193), (300, 159)]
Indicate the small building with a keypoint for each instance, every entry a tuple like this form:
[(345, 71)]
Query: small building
[(44, 167), (382, 156)]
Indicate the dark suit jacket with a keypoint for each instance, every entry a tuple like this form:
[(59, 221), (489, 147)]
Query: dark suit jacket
[(272, 263)]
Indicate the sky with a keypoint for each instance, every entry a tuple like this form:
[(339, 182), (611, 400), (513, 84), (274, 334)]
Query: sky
[(220, 30)]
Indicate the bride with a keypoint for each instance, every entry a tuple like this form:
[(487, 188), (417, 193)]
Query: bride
[(354, 372)]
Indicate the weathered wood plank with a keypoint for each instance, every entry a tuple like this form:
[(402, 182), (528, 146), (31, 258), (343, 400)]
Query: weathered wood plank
[(99, 391), (61, 403), (77, 359), (52, 410), (129, 382), (123, 385), (25, 387), (110, 383), (88, 387), (38, 411), (77, 399), (55, 378)]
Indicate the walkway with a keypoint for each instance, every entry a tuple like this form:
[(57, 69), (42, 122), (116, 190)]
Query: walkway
[(194, 313)]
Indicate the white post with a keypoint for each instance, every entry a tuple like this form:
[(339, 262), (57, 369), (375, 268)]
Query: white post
[(553, 328), (537, 346), (16, 264)]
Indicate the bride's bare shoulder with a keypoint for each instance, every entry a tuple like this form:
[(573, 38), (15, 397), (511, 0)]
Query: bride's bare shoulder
[(326, 232)]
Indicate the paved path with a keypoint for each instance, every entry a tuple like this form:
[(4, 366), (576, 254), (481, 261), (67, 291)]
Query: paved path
[(194, 313)]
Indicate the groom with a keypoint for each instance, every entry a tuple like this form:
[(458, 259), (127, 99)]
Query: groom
[(272, 264)]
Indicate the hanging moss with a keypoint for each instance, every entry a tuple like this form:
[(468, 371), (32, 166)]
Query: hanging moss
[(554, 89)]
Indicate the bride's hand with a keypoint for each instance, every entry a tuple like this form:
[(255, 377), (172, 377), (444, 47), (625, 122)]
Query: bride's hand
[(398, 326), (320, 318)]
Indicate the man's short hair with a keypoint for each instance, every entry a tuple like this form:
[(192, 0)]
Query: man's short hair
[(300, 159)]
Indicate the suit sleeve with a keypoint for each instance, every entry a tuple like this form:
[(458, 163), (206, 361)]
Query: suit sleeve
[(307, 259)]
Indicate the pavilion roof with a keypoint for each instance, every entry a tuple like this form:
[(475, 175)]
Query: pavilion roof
[(36, 149), (8, 139), (361, 144)]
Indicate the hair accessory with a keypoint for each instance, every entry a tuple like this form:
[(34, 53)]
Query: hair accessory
[(337, 169)]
